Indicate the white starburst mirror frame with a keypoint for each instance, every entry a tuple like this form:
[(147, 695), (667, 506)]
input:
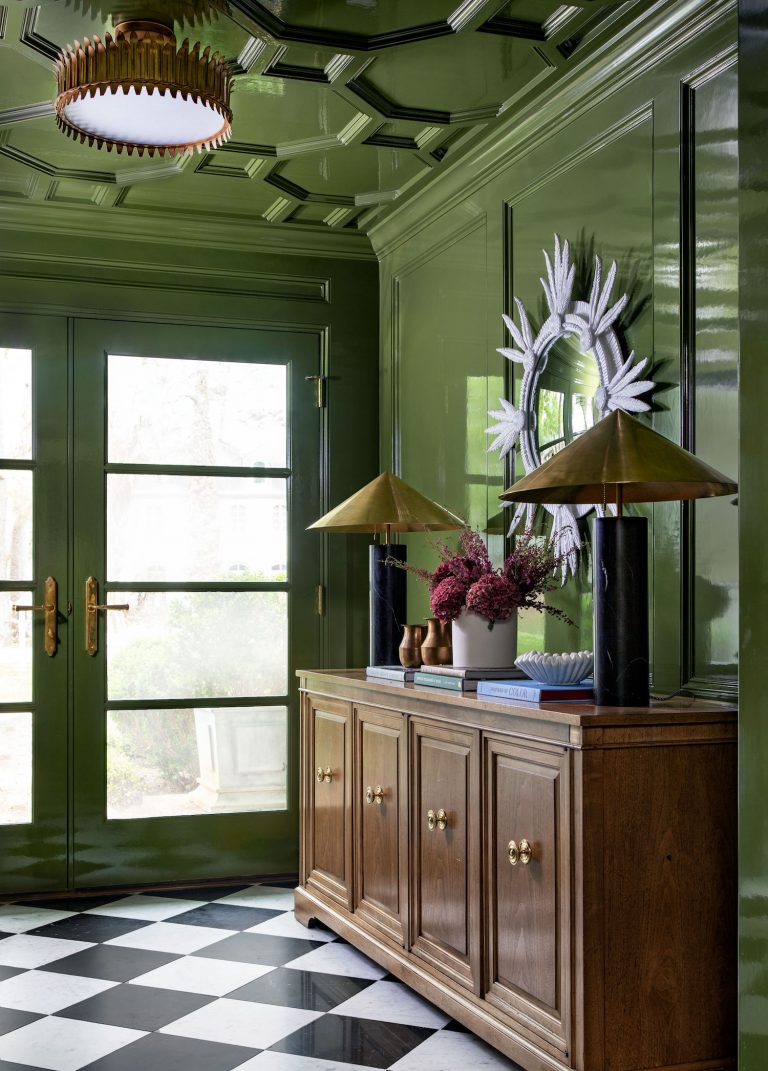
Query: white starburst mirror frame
[(591, 323)]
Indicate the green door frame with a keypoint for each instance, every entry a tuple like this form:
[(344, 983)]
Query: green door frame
[(71, 843), (33, 857)]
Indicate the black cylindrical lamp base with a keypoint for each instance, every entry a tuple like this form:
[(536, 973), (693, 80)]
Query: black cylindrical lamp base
[(620, 593), (388, 607)]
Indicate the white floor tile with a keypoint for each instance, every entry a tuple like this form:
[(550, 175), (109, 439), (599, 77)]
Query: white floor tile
[(451, 1050), (268, 897), (392, 1002), (151, 908), (240, 1022), (46, 992), (283, 1061), (26, 950), (171, 937), (63, 1044), (17, 918), (334, 958), (287, 926), (212, 977)]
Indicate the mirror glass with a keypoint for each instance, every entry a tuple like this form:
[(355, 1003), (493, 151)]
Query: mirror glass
[(565, 397)]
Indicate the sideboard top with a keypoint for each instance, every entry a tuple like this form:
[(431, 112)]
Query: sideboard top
[(354, 685)]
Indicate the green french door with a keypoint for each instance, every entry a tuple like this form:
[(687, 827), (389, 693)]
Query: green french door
[(170, 475)]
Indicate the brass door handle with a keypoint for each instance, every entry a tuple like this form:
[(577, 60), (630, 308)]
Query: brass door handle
[(374, 795), (51, 611), (519, 853), (324, 774), (92, 605), (437, 819)]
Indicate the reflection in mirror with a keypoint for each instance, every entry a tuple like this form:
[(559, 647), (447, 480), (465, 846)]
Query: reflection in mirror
[(565, 397)]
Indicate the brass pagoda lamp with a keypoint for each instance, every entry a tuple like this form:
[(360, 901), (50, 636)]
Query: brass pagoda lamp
[(386, 505), (618, 461)]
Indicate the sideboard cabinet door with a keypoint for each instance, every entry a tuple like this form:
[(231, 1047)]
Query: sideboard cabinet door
[(445, 845), (381, 864), (327, 766), (528, 887)]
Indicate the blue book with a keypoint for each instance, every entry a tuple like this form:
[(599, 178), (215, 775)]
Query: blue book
[(537, 691), (448, 684)]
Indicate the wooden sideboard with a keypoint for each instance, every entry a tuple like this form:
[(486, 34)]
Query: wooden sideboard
[(561, 879)]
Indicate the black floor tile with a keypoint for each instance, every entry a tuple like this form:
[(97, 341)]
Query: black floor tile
[(8, 972), (138, 1007), (3, 934), (89, 928), (208, 892), (163, 1052), (77, 903), (6, 1066), (258, 948), (10, 1019), (225, 916), (458, 1027), (310, 990), (110, 962), (282, 883), (354, 1041)]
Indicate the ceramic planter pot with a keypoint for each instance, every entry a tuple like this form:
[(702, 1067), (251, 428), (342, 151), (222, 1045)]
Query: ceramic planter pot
[(475, 646)]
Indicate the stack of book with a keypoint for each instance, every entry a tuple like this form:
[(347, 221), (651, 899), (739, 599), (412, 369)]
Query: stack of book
[(536, 691), (454, 679), (390, 673)]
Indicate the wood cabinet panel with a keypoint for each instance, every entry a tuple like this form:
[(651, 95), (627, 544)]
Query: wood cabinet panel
[(610, 949), (446, 890), (528, 903), (381, 868), (328, 745)]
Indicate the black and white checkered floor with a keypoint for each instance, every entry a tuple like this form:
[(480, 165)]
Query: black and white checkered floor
[(207, 980)]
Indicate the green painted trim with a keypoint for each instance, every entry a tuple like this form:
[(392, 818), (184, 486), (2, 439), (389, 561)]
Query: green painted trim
[(236, 235), (753, 560)]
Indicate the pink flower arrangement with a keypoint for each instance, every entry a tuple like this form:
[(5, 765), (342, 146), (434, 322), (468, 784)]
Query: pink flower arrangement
[(466, 579)]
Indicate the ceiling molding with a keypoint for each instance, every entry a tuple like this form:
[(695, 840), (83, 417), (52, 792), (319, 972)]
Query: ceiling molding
[(167, 229), (26, 112), (3, 20), (32, 39), (633, 49)]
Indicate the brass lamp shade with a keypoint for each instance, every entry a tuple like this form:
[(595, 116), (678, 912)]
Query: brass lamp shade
[(388, 504), (620, 460)]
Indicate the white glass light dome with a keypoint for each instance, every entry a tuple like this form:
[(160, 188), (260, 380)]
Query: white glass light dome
[(181, 104)]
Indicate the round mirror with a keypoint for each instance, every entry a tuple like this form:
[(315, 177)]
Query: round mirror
[(565, 401)]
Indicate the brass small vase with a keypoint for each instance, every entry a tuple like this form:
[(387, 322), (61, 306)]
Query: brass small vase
[(436, 649), (410, 646)]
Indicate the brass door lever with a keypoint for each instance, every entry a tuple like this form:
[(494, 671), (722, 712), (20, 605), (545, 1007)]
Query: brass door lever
[(92, 606), (50, 609)]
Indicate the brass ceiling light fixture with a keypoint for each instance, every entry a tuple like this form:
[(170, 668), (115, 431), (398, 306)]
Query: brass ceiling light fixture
[(135, 91)]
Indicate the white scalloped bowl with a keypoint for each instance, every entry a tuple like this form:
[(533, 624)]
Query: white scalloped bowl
[(569, 668)]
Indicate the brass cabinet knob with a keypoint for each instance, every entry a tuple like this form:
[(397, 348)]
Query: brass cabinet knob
[(519, 853), (374, 795), (437, 819), (324, 774)]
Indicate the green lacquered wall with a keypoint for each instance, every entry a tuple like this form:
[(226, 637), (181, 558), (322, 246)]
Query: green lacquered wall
[(753, 404), (633, 159)]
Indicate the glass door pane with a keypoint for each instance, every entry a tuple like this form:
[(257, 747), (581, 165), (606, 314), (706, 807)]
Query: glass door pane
[(193, 524), (33, 763)]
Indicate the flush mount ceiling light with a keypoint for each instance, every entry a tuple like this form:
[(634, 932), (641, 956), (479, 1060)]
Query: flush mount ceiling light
[(135, 91)]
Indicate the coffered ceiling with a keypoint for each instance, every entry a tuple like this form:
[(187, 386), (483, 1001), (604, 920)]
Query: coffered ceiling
[(341, 107)]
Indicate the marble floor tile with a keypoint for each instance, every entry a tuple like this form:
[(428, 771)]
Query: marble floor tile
[(449, 1050), (285, 925), (393, 1002), (41, 991), (169, 937), (337, 958), (63, 1044), (214, 977), (271, 897), (18, 918), (236, 1022), (147, 907), (25, 950)]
